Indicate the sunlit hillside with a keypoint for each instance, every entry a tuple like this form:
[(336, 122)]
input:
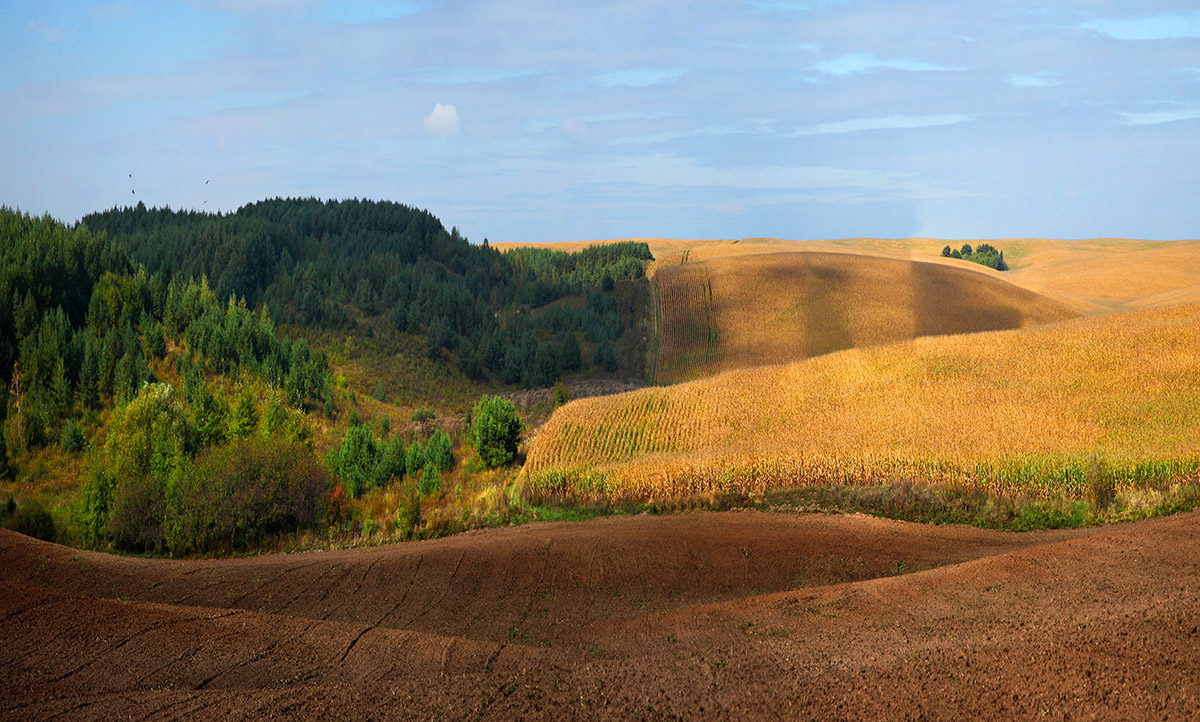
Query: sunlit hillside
[(1090, 276), (735, 311), (1029, 408)]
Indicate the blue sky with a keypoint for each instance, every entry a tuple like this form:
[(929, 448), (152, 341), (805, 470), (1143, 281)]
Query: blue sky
[(532, 120)]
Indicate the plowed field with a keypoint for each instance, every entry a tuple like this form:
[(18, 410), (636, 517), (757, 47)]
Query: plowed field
[(710, 615)]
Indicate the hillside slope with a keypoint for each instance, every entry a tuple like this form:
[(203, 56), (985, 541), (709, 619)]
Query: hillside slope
[(1024, 407), (741, 311), (739, 616), (1088, 275)]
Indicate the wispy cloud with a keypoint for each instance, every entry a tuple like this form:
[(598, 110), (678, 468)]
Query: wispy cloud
[(866, 62), (1154, 117), (667, 136), (49, 33), (1033, 80), (358, 12), (890, 122), (640, 77), (793, 6), (1153, 27), (474, 76), (260, 6), (562, 121)]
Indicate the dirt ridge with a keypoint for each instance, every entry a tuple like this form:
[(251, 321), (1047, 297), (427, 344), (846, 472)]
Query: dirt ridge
[(735, 615)]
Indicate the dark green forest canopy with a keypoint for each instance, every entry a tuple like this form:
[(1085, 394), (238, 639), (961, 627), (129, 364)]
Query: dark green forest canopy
[(81, 321), (309, 262)]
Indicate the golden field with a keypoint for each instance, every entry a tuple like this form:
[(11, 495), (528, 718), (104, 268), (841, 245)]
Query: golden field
[(1026, 409), (1090, 276), (740, 311)]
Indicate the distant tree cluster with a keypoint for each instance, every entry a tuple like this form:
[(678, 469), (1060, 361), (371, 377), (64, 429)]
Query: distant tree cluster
[(985, 254), (310, 262)]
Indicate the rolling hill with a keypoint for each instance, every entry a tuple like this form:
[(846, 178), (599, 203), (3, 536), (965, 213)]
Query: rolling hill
[(734, 311), (1019, 409), (734, 616)]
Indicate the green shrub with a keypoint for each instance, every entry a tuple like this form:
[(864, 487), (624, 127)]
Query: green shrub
[(92, 512), (355, 460), (496, 430), (561, 394), (423, 415), (275, 416), (209, 414), (439, 451), (72, 439), (33, 520), (431, 481), (147, 446), (392, 462), (408, 515), (238, 496), (135, 519), (604, 356), (414, 458)]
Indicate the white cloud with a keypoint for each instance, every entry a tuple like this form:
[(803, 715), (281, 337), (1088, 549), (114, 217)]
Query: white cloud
[(1154, 117), (443, 121), (640, 77), (890, 122), (1033, 80), (865, 62), (577, 131), (1155, 27)]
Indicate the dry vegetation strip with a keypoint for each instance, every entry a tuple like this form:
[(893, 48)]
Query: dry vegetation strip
[(757, 309), (1029, 410)]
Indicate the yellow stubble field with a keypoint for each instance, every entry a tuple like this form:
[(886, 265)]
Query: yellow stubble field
[(1020, 409)]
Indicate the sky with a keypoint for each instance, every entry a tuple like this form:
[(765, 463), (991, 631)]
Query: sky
[(555, 120)]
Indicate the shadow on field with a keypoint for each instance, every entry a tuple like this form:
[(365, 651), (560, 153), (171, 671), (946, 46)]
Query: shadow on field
[(949, 301), (826, 328)]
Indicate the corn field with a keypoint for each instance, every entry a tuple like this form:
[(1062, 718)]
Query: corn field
[(687, 322), (1046, 411)]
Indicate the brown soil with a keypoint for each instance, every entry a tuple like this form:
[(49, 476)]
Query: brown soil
[(702, 616)]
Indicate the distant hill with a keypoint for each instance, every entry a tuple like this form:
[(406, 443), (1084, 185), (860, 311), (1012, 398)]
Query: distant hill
[(325, 263), (734, 311)]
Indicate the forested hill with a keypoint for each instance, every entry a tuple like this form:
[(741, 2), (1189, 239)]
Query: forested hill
[(312, 262), (300, 256)]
